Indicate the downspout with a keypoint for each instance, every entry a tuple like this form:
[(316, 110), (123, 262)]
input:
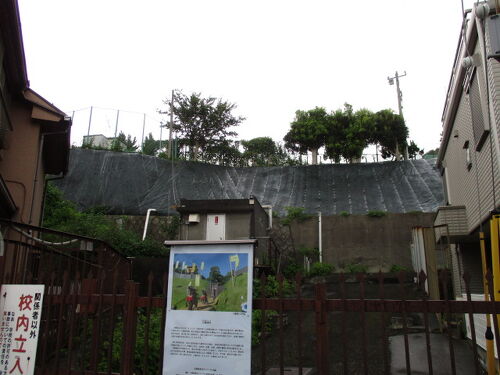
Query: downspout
[(320, 239), (147, 222), (35, 180), (37, 167), (481, 30), (269, 209)]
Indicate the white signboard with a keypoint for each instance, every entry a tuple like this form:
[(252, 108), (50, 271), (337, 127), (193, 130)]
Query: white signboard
[(20, 316), (209, 310)]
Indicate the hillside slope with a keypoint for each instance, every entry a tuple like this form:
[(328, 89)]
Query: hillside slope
[(132, 183)]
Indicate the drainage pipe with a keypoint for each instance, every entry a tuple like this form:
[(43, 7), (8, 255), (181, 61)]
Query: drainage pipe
[(147, 222), (320, 239)]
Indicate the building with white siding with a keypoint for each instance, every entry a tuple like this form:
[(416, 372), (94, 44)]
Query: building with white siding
[(469, 152)]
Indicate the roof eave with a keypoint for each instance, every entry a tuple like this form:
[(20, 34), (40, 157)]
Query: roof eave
[(15, 59)]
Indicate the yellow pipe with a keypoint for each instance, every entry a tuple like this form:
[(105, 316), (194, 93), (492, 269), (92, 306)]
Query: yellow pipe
[(495, 257), (490, 350)]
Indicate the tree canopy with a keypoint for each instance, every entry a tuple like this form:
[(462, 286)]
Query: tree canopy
[(345, 133), (202, 122), (390, 132), (308, 131), (263, 152), (205, 130), (124, 143), (150, 145)]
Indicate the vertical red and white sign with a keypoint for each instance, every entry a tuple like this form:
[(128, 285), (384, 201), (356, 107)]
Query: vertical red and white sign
[(20, 316)]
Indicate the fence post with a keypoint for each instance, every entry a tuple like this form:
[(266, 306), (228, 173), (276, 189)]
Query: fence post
[(321, 329), (129, 327)]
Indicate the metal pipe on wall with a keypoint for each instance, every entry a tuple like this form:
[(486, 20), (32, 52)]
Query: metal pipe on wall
[(320, 239), (147, 222)]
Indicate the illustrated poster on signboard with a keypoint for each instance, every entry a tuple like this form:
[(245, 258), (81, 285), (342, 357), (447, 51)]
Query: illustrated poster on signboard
[(209, 305), (20, 317)]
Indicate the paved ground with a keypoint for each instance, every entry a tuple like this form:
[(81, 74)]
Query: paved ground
[(441, 363)]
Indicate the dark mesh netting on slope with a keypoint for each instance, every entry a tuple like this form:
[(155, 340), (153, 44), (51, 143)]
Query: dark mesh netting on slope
[(128, 183)]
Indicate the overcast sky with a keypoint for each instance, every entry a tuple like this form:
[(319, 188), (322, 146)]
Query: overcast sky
[(269, 57)]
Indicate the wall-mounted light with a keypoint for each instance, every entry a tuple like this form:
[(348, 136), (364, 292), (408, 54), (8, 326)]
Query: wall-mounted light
[(482, 11), (468, 62)]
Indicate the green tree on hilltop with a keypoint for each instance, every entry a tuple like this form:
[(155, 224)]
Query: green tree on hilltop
[(150, 145), (202, 122), (307, 132), (262, 151), (390, 132)]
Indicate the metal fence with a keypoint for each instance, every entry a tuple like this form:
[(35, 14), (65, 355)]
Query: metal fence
[(89, 330), (29, 253), (95, 321)]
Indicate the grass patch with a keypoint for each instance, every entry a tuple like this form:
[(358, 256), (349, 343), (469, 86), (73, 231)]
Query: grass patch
[(233, 295)]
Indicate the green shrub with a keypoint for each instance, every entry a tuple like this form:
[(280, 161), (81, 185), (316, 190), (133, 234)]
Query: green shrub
[(154, 344), (397, 268), (257, 324), (376, 213), (272, 287), (309, 252), (296, 214), (291, 270), (172, 227), (89, 145), (321, 269), (356, 268), (62, 215), (344, 213)]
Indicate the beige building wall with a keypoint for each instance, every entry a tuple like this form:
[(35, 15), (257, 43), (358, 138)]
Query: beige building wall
[(473, 187), (19, 163)]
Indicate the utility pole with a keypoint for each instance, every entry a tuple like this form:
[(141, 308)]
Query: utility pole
[(143, 128), (400, 106), (116, 122), (171, 125), (90, 121)]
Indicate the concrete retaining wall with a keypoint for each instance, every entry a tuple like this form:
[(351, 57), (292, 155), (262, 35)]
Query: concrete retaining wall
[(158, 227), (376, 242)]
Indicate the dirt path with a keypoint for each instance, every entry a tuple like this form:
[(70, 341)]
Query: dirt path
[(206, 307)]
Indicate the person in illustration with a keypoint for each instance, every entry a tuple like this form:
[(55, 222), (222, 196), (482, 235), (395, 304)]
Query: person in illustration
[(192, 298), (189, 296), (204, 297), (195, 299)]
